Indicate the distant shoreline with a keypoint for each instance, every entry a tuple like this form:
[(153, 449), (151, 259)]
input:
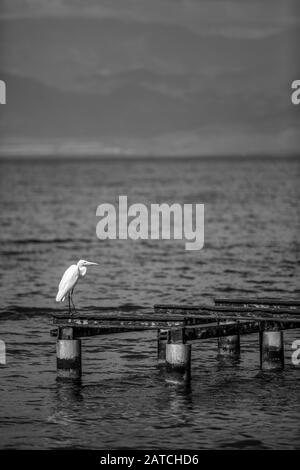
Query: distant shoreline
[(143, 157)]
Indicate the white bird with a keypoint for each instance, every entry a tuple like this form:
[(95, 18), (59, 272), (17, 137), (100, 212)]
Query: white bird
[(70, 279)]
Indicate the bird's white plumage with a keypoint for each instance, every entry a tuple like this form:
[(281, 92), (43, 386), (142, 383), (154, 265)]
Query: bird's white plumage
[(70, 278), (68, 282)]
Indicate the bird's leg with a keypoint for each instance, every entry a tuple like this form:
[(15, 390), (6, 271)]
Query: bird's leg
[(73, 305), (69, 298)]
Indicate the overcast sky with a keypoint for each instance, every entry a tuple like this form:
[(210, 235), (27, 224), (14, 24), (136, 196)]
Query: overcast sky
[(150, 76)]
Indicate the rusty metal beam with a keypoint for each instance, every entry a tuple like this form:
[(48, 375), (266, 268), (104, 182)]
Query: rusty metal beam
[(154, 321), (215, 330), (257, 302), (180, 333), (226, 311)]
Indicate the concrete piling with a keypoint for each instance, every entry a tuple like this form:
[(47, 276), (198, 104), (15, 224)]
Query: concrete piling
[(178, 362), (162, 339), (271, 350), (68, 354), (178, 357)]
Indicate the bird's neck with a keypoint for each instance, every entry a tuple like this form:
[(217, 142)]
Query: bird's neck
[(82, 270)]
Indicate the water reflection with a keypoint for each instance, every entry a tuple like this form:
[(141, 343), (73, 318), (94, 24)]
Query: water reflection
[(179, 401), (227, 361), (67, 398), (69, 391)]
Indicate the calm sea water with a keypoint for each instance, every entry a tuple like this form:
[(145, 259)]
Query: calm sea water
[(251, 249)]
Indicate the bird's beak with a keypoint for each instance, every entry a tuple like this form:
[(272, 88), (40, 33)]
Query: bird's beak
[(89, 263)]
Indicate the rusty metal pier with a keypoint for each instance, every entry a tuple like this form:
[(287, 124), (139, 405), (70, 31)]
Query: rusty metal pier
[(178, 325)]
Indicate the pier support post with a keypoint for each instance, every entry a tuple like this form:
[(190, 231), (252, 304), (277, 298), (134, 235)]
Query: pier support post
[(68, 354), (271, 350), (229, 346), (178, 361), (178, 357), (162, 339)]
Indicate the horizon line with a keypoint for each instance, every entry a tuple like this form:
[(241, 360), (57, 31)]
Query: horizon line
[(136, 156)]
